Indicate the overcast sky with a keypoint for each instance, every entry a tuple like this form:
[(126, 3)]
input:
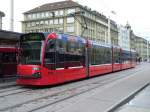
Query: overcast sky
[(135, 12)]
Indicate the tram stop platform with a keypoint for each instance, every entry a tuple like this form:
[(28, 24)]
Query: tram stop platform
[(6, 82), (129, 94), (140, 103)]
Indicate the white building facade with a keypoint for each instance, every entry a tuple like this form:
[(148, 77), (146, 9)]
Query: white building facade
[(124, 37)]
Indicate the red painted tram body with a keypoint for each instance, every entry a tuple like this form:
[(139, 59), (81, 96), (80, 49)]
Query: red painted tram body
[(48, 59)]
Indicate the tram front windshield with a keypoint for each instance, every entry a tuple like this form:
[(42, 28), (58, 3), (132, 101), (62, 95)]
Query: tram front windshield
[(31, 52)]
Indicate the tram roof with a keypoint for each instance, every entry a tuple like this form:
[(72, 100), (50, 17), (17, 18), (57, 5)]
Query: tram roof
[(100, 44), (68, 37), (9, 35)]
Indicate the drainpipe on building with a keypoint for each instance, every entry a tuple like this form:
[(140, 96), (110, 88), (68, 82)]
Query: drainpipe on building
[(147, 51), (109, 35)]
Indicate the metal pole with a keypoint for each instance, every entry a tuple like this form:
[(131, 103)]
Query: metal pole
[(87, 61), (147, 52), (12, 15)]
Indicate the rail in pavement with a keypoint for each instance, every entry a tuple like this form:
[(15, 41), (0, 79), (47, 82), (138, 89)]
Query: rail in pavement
[(108, 97)]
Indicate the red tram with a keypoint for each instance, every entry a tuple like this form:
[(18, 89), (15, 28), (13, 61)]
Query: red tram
[(48, 59)]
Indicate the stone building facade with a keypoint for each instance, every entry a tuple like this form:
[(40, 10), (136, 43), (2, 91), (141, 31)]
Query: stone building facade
[(72, 18)]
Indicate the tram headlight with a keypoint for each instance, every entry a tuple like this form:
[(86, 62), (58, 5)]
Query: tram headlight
[(35, 68), (36, 75)]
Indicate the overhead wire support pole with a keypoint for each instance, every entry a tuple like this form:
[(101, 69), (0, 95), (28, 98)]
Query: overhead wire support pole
[(12, 15), (83, 25)]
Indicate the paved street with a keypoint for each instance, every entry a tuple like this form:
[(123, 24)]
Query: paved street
[(140, 103), (99, 94), (105, 98)]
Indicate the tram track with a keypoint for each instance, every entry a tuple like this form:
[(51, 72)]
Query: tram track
[(7, 85), (8, 89), (13, 91), (61, 95)]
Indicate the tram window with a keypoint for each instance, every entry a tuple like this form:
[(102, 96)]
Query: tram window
[(50, 54), (74, 55), (61, 46), (50, 45), (103, 55), (0, 57), (71, 47), (125, 56), (93, 55), (106, 57), (116, 56)]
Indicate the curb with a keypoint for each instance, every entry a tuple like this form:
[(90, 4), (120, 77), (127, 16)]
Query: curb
[(127, 99)]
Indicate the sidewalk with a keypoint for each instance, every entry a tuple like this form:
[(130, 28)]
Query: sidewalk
[(106, 98), (141, 103)]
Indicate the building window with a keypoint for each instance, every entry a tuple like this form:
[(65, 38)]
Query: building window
[(46, 14), (70, 20), (61, 29), (55, 21), (34, 16), (29, 16), (70, 29), (37, 23), (33, 23), (46, 22), (50, 14), (38, 15), (28, 24), (61, 12), (61, 21), (42, 14), (71, 11), (56, 13), (41, 22), (50, 21)]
